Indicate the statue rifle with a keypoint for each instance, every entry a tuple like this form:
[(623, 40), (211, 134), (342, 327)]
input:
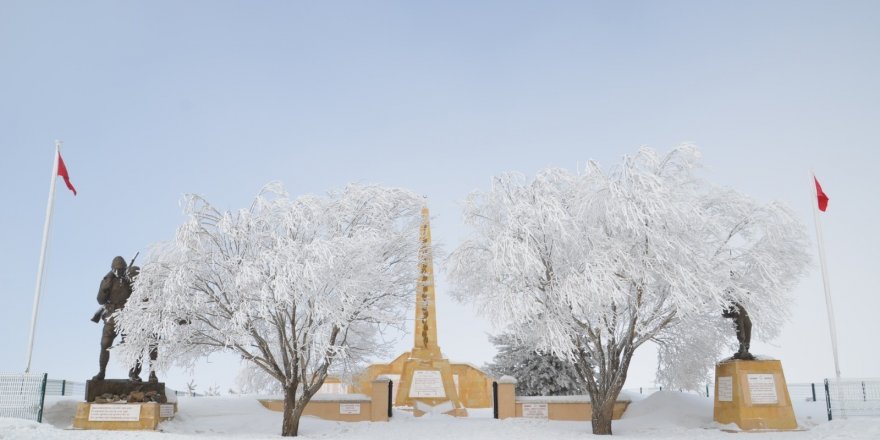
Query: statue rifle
[(100, 312)]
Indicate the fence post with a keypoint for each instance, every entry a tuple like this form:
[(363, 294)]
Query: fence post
[(63, 385), (42, 398), (864, 394), (707, 390), (390, 397), (813, 386), (828, 399), (640, 390), (494, 399)]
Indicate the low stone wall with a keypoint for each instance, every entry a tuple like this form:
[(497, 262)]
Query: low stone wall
[(562, 407), (345, 407), (546, 407)]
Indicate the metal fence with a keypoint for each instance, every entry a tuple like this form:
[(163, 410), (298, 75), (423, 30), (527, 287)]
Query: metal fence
[(61, 387), (805, 392), (797, 391), (169, 391), (852, 397), (21, 395), (844, 398)]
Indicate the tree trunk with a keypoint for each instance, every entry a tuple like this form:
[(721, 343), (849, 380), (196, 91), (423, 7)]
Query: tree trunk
[(602, 413), (292, 413)]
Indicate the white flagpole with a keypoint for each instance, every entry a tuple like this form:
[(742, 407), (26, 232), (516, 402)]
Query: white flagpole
[(825, 282), (42, 267), (820, 240)]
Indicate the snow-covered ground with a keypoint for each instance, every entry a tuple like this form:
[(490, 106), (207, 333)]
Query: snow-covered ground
[(663, 415)]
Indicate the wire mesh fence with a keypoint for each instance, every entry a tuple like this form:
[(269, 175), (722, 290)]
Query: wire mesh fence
[(61, 387), (169, 391), (852, 397), (797, 391), (804, 392), (21, 395)]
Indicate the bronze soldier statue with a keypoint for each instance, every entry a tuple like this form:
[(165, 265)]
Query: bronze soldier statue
[(113, 293), (743, 329)]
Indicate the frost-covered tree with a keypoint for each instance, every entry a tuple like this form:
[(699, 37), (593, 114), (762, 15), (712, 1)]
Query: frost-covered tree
[(595, 264), (294, 286), (537, 374)]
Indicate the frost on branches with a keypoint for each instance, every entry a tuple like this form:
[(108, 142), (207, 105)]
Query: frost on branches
[(295, 286), (538, 374), (593, 265)]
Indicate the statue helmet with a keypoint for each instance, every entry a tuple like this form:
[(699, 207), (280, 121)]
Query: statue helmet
[(118, 263)]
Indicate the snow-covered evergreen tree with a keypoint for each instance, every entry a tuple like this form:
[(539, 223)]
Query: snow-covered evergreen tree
[(294, 286), (593, 265), (537, 374)]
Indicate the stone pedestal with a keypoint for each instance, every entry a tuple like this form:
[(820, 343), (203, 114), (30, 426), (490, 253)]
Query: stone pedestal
[(753, 394), (120, 416), (122, 388)]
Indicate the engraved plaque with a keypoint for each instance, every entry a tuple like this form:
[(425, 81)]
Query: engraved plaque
[(108, 412), (426, 383), (349, 408), (534, 410), (166, 410), (725, 388), (762, 389)]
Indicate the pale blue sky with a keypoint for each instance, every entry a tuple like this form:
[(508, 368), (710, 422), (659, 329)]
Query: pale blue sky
[(155, 99)]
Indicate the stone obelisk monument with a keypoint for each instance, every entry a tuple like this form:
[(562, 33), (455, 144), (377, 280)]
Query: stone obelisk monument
[(426, 382)]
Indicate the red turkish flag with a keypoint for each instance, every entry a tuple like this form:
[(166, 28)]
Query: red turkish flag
[(62, 171), (823, 198)]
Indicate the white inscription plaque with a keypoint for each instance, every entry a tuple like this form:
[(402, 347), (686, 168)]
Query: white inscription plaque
[(108, 412), (349, 408), (166, 410), (725, 388), (762, 388), (426, 383), (534, 410)]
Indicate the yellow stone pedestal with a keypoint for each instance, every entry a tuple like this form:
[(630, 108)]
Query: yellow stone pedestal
[(753, 394), (147, 416)]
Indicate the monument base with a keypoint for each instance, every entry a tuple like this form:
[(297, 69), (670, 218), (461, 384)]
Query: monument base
[(753, 395), (123, 388), (427, 386), (122, 416)]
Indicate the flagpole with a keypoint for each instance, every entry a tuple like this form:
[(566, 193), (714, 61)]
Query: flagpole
[(42, 267), (825, 282)]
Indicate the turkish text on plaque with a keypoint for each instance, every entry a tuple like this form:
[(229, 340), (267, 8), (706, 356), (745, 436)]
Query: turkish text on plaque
[(349, 408), (762, 389), (725, 388), (534, 410), (108, 412), (426, 383)]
